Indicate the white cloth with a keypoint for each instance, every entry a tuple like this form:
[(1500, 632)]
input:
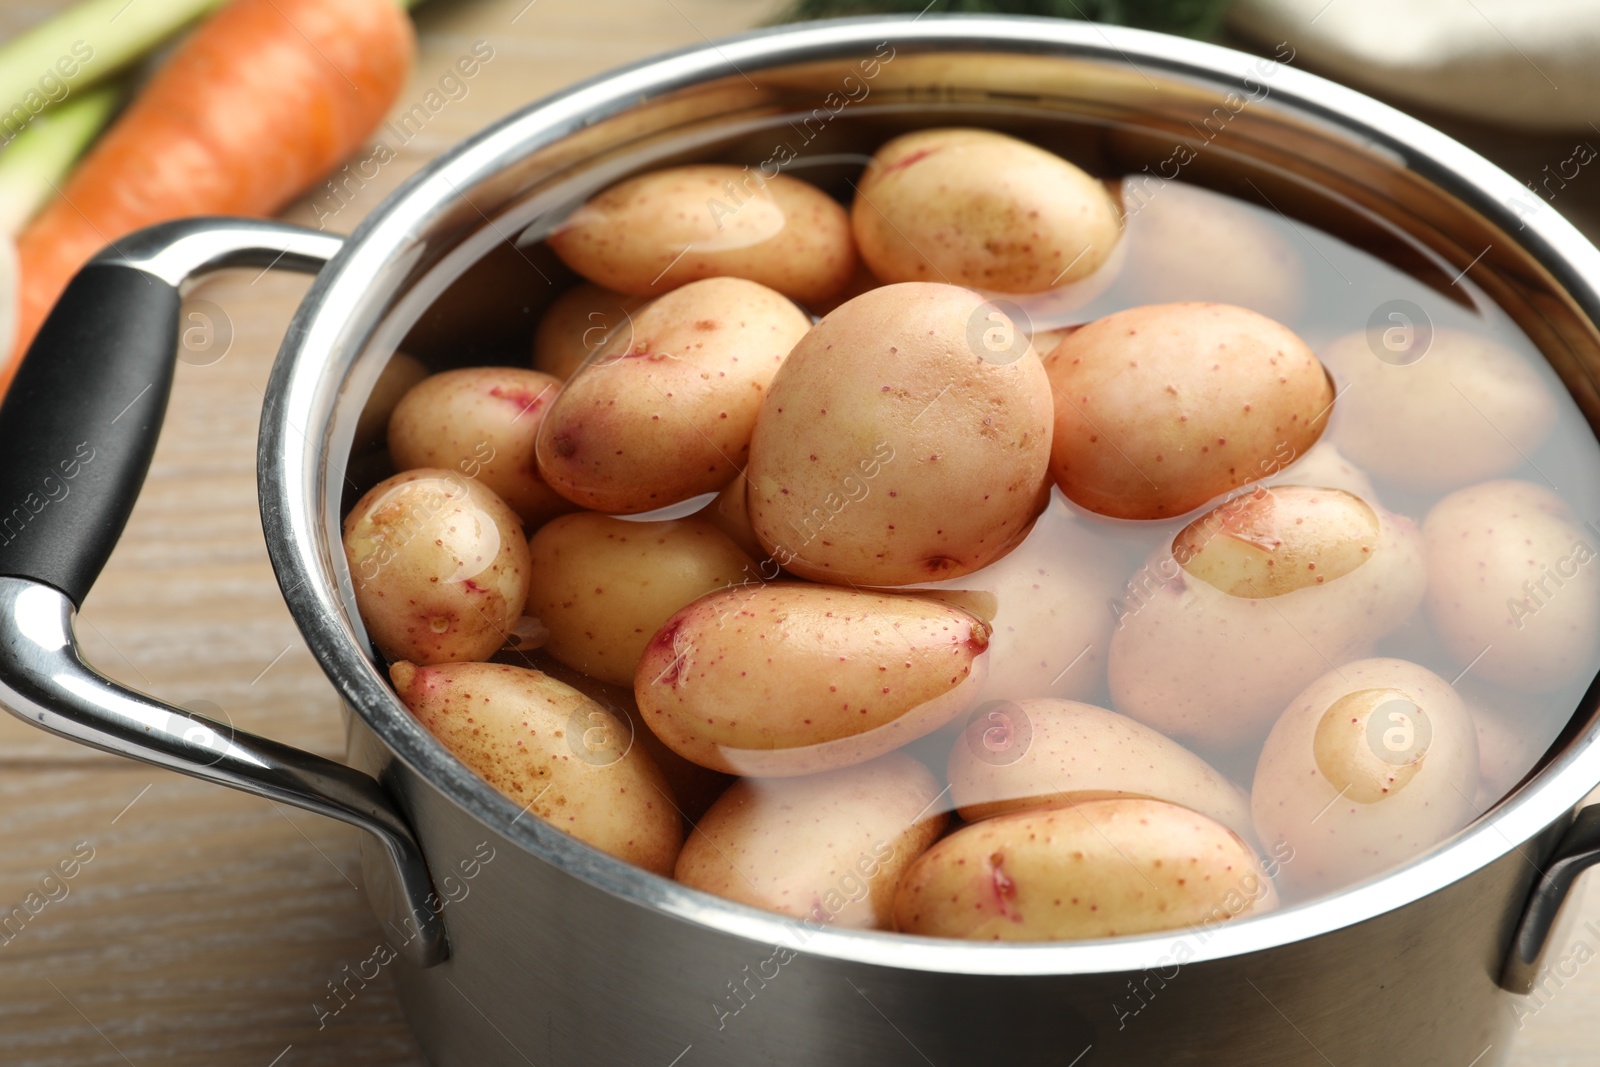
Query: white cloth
[(1530, 64)]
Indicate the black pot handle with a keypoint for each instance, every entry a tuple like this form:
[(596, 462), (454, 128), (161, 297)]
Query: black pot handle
[(77, 431), (1576, 852)]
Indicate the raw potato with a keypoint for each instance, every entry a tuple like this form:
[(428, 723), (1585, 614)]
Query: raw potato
[(394, 381), (1370, 766), (693, 787), (1214, 669), (575, 327), (603, 586), (1514, 730), (730, 513), (550, 750), (1513, 585), (1161, 408), (1100, 868), (1189, 243), (482, 422), (666, 412), (830, 847), (657, 231), (1467, 410), (439, 564), (1327, 467), (1038, 753), (979, 208), (1049, 602), (893, 449), (789, 678)]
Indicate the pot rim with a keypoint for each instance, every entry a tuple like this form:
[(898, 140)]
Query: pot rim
[(325, 338)]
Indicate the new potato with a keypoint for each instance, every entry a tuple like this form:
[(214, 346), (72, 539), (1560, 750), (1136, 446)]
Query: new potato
[(666, 411), (1016, 755), (979, 208), (603, 586), (1375, 762), (1252, 602), (1100, 868), (790, 678), (575, 328), (657, 231), (1048, 601), (891, 450), (483, 422), (550, 750), (827, 847), (439, 565), (1513, 585), (1161, 408), (1464, 410)]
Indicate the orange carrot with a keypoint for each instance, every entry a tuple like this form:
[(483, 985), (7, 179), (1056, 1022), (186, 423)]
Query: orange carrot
[(263, 99)]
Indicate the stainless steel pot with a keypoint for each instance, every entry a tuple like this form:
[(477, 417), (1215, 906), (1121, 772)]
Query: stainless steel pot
[(520, 945)]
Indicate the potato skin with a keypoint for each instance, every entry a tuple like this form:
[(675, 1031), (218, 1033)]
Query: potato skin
[(439, 565), (536, 741), (1100, 868), (730, 513), (666, 412), (692, 786), (603, 586), (1324, 789), (1049, 603), (1216, 670), (394, 381), (1188, 243), (1327, 467), (1467, 410), (1164, 407), (1510, 571), (1041, 753), (482, 421), (575, 327), (735, 222), (828, 847), (979, 208), (891, 452), (790, 678)]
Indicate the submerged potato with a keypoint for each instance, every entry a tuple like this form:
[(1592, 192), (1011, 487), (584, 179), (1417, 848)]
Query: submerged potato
[(893, 448), (1189, 243), (730, 513), (666, 412), (603, 586), (551, 750), (394, 381), (1161, 408), (576, 326), (1513, 585), (1371, 765), (979, 208), (657, 231), (1252, 602), (481, 421), (1325, 466), (829, 847), (1049, 603), (439, 564), (1100, 868), (692, 786), (1024, 754), (1436, 409), (790, 678)]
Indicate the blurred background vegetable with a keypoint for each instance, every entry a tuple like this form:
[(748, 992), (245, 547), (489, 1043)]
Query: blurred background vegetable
[(261, 100), (32, 168)]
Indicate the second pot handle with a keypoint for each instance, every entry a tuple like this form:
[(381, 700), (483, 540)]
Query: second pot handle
[(1576, 852), (78, 428)]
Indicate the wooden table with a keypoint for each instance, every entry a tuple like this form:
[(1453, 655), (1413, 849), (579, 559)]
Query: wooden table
[(208, 923)]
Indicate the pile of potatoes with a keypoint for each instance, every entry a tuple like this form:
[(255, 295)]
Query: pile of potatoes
[(912, 617)]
